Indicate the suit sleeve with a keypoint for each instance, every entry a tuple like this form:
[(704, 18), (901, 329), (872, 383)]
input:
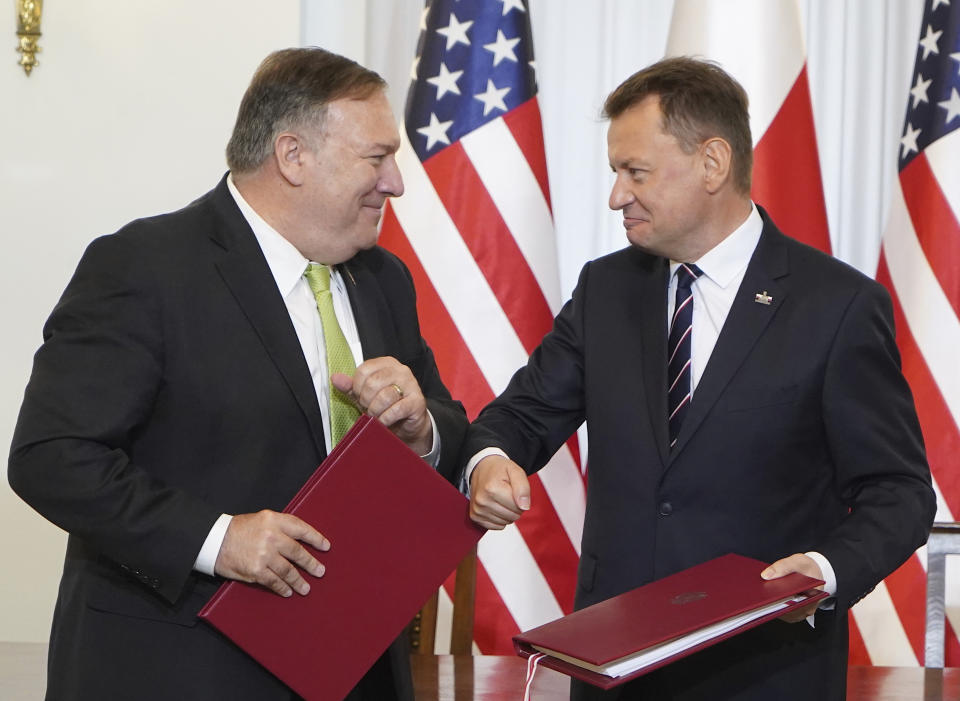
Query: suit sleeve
[(92, 388), (876, 444), (544, 402), (449, 415)]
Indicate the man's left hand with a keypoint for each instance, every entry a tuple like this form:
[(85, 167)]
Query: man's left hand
[(387, 390), (795, 563)]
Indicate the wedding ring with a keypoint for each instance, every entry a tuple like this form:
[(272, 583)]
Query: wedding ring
[(398, 388)]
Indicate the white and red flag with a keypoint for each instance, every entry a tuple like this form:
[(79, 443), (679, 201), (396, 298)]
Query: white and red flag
[(760, 43), (476, 230), (920, 266)]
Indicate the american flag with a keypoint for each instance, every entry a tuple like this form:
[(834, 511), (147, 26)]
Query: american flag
[(920, 265), (476, 230)]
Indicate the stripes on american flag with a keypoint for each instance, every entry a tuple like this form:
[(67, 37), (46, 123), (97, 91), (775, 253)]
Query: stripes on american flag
[(476, 230), (920, 265)]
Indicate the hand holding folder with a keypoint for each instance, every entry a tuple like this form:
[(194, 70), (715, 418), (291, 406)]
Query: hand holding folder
[(259, 546), (638, 631), (396, 529)]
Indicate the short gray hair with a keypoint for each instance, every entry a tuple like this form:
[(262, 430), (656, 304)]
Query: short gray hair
[(291, 90)]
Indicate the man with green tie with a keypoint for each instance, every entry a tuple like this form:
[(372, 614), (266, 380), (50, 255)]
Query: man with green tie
[(198, 368)]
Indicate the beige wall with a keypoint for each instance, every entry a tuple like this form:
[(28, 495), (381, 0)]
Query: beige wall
[(126, 116)]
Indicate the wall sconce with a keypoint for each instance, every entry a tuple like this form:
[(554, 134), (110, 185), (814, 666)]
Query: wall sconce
[(28, 30)]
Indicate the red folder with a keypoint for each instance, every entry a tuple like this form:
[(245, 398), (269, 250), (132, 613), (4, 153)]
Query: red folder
[(397, 529), (637, 622)]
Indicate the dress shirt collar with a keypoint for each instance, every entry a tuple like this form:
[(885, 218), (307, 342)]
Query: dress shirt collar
[(723, 263), (285, 261)]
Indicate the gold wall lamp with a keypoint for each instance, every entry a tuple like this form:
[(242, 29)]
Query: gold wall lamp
[(28, 30)]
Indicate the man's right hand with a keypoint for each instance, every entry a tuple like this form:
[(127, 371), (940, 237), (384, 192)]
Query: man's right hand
[(264, 548), (499, 492)]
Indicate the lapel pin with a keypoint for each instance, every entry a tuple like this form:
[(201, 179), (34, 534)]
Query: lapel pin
[(762, 298)]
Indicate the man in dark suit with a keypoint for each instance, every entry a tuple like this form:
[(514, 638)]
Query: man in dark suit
[(782, 430), (188, 374)]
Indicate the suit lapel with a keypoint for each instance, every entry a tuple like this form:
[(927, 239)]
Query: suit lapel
[(653, 349), (366, 300), (245, 271), (745, 323)]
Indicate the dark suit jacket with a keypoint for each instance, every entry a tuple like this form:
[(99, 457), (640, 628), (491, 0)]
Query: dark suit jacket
[(801, 435), (171, 388)]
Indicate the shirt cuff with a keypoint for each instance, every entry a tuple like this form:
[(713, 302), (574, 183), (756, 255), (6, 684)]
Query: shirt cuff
[(829, 577), (829, 584), (207, 558), (433, 457), (468, 472)]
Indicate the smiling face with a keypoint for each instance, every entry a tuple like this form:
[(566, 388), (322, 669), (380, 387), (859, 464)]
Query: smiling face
[(348, 171), (661, 190)]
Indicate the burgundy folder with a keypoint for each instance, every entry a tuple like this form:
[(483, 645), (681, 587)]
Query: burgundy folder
[(396, 528), (662, 612)]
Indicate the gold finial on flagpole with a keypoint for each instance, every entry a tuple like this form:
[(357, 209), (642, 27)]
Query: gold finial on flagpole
[(28, 30)]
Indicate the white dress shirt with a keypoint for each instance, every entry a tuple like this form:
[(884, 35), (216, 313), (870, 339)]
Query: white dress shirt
[(723, 268), (287, 265)]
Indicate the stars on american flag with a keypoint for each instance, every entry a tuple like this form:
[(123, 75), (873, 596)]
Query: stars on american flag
[(502, 48), (513, 5), (435, 131), (493, 98), (908, 143), (919, 90), (929, 42), (472, 66), (446, 81), (934, 110), (952, 106), (456, 32)]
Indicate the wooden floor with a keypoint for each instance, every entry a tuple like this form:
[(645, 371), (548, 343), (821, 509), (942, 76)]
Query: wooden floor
[(489, 678)]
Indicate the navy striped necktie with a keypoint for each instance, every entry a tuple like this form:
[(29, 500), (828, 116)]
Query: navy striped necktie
[(678, 350)]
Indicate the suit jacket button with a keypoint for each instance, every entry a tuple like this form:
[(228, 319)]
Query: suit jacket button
[(666, 508)]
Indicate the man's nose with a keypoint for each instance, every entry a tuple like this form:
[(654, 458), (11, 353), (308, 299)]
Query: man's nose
[(391, 182), (620, 195)]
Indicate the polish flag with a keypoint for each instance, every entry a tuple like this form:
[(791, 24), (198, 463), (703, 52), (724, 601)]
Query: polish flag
[(760, 43)]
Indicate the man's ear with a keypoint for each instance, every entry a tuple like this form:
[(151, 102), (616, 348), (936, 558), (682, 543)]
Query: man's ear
[(289, 150), (717, 163)]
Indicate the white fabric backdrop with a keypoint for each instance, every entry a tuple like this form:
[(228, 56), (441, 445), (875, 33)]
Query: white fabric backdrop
[(860, 56)]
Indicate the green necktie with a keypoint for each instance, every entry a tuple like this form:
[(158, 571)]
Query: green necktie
[(343, 413)]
